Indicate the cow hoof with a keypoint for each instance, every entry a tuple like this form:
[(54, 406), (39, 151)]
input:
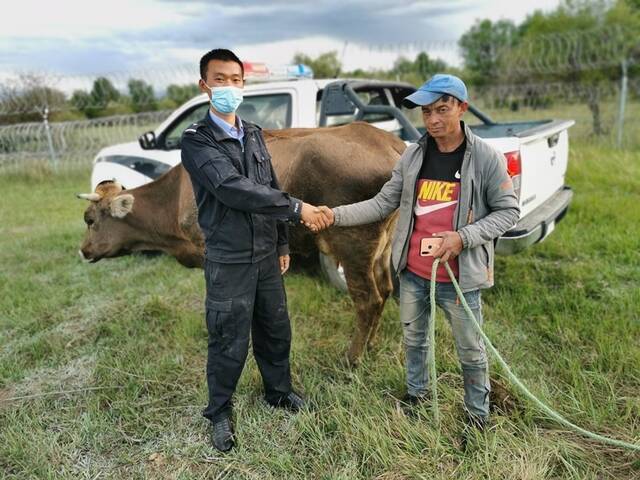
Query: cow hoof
[(373, 344), (353, 360)]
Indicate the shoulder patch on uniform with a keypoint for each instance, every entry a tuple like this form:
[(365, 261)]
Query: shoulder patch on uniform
[(193, 128)]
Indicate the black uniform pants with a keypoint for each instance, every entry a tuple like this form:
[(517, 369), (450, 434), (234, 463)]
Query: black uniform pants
[(246, 299)]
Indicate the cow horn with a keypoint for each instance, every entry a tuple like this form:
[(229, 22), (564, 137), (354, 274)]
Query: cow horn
[(92, 197)]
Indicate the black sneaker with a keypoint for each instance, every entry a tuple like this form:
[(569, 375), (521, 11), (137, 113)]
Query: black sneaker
[(410, 403), (222, 434), (474, 425), (477, 422), (291, 401), (412, 400)]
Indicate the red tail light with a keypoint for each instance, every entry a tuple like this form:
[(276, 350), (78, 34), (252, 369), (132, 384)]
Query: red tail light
[(514, 164), (514, 167)]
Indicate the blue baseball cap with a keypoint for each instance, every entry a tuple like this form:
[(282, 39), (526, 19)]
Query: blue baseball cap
[(438, 85)]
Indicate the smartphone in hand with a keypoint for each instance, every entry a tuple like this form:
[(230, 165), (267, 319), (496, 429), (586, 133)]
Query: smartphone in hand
[(430, 245)]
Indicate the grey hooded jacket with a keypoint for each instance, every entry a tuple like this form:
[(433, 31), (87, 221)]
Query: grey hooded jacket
[(486, 209)]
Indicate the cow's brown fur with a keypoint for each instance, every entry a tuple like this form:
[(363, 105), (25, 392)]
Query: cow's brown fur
[(328, 166)]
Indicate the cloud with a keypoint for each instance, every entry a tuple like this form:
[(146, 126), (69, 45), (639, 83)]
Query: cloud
[(371, 22), (56, 55), (124, 35)]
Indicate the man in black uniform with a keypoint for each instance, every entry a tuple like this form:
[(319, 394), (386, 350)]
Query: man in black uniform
[(243, 216)]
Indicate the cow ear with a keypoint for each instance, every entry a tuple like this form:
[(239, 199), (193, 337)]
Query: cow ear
[(121, 205)]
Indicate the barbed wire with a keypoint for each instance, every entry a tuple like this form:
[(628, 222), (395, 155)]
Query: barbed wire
[(549, 57), (75, 143), (571, 52), (558, 91)]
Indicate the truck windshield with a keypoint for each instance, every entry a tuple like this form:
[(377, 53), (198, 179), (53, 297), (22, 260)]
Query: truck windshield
[(270, 111)]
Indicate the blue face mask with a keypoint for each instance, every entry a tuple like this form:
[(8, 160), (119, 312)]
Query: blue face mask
[(225, 99)]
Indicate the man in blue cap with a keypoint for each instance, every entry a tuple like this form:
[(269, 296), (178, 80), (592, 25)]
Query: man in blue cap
[(453, 192)]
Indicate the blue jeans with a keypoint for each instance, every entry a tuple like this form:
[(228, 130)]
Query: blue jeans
[(415, 312)]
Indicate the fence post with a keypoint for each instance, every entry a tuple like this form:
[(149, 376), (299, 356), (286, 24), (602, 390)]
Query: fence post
[(47, 129), (623, 101)]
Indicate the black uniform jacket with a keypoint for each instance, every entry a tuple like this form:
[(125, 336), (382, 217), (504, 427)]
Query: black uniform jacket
[(242, 212)]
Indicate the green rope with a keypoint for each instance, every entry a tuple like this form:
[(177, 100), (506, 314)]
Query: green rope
[(431, 358), (432, 366)]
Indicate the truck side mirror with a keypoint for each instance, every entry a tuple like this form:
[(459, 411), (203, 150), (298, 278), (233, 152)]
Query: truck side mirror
[(147, 140)]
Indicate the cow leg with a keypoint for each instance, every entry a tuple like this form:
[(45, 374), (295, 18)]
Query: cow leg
[(364, 254), (384, 284), (369, 305)]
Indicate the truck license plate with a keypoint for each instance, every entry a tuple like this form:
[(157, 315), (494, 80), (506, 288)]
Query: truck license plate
[(550, 227)]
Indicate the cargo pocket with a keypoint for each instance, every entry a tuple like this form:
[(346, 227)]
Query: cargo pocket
[(219, 320), (263, 167)]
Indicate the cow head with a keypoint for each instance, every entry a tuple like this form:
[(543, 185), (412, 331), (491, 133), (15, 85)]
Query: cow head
[(108, 234)]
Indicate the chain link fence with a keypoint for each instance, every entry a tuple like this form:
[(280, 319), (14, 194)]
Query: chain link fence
[(71, 144), (603, 112), (597, 110), (591, 77)]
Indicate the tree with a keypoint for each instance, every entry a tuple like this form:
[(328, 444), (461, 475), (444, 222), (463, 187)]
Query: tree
[(178, 94), (419, 70), (103, 92), (325, 65), (141, 94), (482, 45), (81, 101), (99, 102), (625, 15), (581, 43), (427, 67), (29, 98)]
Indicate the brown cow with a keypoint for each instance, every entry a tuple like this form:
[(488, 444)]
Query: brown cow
[(324, 166)]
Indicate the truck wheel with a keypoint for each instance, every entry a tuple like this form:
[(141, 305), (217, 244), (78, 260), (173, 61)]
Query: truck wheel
[(333, 272)]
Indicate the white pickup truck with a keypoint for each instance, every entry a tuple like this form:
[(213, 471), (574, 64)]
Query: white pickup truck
[(536, 152)]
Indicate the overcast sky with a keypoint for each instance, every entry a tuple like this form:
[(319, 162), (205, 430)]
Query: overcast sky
[(89, 37)]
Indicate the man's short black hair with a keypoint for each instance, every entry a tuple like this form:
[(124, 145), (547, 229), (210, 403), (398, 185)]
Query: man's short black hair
[(218, 54), (446, 98)]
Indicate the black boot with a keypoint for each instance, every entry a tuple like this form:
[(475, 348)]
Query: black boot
[(412, 400), (410, 404), (473, 425), (222, 434), (291, 401)]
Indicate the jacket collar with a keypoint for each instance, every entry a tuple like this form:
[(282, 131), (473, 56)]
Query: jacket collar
[(219, 134)]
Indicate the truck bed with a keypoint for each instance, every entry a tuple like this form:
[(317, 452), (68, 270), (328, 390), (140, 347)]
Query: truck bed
[(511, 129), (503, 130)]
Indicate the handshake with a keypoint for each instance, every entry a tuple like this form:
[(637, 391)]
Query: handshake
[(316, 219)]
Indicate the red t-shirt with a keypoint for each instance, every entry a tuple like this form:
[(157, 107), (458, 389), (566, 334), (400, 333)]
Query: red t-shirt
[(437, 192)]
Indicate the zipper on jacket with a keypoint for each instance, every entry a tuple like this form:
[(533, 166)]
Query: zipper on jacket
[(460, 199), (469, 215), (412, 218)]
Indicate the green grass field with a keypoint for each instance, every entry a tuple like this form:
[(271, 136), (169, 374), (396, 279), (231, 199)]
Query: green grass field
[(102, 366)]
